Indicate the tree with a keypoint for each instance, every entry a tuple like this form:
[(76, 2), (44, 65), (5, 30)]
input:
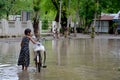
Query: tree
[(20, 5), (49, 9), (86, 12), (14, 7), (36, 8), (64, 14), (8, 7), (2, 5)]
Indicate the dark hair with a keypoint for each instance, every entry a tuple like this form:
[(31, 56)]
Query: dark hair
[(27, 31)]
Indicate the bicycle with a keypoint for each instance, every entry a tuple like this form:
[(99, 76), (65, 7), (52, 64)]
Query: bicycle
[(38, 49)]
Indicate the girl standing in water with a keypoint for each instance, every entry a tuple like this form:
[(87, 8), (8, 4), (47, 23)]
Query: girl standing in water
[(24, 56)]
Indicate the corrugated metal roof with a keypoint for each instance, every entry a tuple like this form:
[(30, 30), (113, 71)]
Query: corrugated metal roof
[(107, 17), (110, 16)]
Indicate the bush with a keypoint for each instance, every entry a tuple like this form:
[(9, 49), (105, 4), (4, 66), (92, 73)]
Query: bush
[(79, 29), (45, 24)]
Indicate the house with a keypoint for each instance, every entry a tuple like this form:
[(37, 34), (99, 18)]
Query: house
[(105, 23), (25, 16)]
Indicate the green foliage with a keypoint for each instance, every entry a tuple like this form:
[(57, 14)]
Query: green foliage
[(45, 24), (21, 5), (2, 5), (36, 8), (9, 7), (36, 5), (86, 11), (111, 6), (47, 9)]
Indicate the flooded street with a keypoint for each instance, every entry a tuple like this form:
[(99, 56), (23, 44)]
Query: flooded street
[(67, 59)]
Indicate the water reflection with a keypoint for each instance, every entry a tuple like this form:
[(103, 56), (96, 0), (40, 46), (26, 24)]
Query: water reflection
[(61, 48), (24, 75), (73, 59), (8, 52)]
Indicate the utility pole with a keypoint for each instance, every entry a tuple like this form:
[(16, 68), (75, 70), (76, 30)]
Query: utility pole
[(60, 17)]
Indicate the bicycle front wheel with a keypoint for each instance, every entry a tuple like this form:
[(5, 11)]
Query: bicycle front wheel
[(39, 62)]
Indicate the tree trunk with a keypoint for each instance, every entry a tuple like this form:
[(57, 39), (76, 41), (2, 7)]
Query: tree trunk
[(36, 8), (36, 25), (7, 15), (93, 27), (86, 19), (64, 23), (36, 28)]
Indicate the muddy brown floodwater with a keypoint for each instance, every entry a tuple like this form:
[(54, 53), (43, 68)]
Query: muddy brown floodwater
[(67, 59)]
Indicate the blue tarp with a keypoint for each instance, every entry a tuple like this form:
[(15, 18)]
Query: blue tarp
[(116, 20)]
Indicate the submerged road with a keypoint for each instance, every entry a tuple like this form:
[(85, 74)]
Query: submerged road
[(79, 58)]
